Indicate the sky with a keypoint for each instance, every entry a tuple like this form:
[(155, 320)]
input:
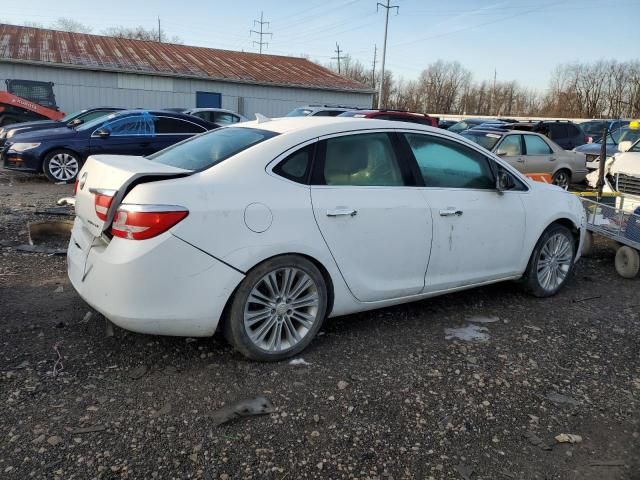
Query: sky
[(522, 40)]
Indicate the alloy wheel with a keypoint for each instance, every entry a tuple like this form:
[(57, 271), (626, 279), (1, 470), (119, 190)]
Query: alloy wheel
[(63, 166), (281, 309), (561, 179), (554, 262)]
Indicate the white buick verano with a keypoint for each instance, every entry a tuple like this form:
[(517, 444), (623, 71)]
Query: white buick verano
[(266, 228)]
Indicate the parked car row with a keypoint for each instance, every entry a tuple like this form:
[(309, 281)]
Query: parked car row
[(59, 148), (358, 112)]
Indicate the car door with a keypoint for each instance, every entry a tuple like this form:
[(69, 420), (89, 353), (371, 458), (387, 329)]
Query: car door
[(170, 130), (375, 223), (478, 232), (539, 156), (129, 135), (510, 149)]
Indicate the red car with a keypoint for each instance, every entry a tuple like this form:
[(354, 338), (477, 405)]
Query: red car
[(397, 115)]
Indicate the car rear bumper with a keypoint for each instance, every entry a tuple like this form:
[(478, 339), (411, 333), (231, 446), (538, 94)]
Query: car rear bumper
[(160, 286)]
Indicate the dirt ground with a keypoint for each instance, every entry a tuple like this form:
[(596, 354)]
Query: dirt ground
[(384, 394)]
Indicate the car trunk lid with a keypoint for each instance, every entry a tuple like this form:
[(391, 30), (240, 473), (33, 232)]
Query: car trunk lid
[(104, 181)]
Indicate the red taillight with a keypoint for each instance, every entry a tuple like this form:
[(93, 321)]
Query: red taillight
[(139, 222), (102, 201), (75, 186)]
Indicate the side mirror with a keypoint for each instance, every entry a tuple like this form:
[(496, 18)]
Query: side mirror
[(624, 146), (75, 123), (101, 133), (504, 181)]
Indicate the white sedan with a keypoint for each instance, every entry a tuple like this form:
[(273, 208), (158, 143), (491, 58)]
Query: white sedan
[(266, 228)]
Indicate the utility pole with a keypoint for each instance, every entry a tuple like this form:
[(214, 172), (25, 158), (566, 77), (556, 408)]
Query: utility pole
[(337, 50), (159, 31), (373, 70), (493, 92), (261, 32), (387, 7)]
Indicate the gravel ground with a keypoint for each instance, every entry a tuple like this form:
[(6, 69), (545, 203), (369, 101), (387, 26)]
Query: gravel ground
[(384, 394)]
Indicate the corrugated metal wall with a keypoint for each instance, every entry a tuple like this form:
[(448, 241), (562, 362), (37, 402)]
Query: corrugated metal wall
[(78, 89)]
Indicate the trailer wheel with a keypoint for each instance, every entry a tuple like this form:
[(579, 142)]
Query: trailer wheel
[(61, 166), (587, 245), (627, 262)]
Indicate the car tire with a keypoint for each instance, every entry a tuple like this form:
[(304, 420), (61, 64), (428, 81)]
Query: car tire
[(278, 309), (61, 166), (551, 262), (627, 262), (562, 178)]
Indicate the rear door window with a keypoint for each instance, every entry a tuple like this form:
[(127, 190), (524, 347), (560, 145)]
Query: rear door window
[(224, 118), (204, 151), (536, 145), (557, 131), (362, 160), (175, 126)]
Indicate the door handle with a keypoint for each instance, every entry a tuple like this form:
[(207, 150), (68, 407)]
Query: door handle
[(341, 212), (552, 159), (450, 212), (520, 160)]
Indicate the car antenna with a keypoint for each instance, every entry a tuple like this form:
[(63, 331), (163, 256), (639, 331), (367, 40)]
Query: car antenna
[(262, 118)]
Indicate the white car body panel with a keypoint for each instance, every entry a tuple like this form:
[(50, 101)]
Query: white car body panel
[(241, 213)]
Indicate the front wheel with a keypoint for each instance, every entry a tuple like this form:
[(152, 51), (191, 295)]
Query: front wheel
[(551, 262), (61, 166), (562, 178), (278, 309)]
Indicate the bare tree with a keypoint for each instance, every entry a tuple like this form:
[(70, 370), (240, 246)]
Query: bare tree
[(140, 33), (70, 25)]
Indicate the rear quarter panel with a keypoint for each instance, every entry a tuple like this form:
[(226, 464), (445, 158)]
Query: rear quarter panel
[(217, 200)]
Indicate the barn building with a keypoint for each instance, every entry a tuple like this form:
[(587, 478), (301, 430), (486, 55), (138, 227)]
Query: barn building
[(93, 70)]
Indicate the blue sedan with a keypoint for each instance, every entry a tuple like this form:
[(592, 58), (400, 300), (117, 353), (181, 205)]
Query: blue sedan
[(60, 152)]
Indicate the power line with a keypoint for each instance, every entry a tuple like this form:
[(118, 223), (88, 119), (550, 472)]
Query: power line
[(337, 50), (262, 33), (387, 7)]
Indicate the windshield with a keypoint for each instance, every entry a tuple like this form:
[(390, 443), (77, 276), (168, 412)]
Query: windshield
[(71, 116), (486, 140), (635, 147), (463, 125), (624, 134), (299, 112), (204, 151)]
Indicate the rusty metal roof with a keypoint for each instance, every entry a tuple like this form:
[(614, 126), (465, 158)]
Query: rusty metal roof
[(96, 52)]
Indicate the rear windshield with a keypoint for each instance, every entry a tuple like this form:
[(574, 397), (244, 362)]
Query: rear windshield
[(204, 151), (486, 140)]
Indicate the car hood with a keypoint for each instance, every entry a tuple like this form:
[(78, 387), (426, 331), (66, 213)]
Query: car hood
[(627, 163), (44, 135), (36, 123), (594, 149)]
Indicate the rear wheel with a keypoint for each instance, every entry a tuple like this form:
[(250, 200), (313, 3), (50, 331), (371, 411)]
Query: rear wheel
[(562, 178), (278, 309), (551, 262), (61, 166)]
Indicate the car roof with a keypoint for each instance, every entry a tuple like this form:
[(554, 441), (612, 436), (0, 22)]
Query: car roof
[(329, 125), (210, 109)]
